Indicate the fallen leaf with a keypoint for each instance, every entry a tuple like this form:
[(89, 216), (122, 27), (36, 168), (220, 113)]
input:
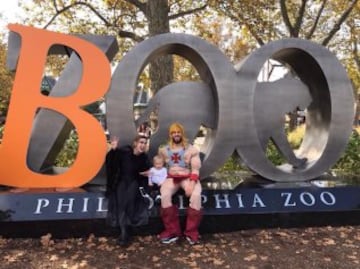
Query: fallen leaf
[(74, 257), (251, 257), (329, 242), (218, 262), (90, 245), (46, 241), (103, 239), (148, 238), (282, 234), (91, 238), (195, 255), (10, 258), (53, 258), (123, 256), (155, 258), (343, 235), (193, 264), (83, 263), (197, 247)]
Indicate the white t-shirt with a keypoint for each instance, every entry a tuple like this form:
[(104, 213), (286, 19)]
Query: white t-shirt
[(157, 176)]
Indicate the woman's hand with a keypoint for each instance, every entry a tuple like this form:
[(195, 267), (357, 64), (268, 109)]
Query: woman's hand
[(114, 141), (145, 173)]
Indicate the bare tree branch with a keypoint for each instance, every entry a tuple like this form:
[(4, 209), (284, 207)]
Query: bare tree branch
[(131, 35), (60, 11), (55, 5), (285, 16), (313, 28), (299, 18), (187, 12), (337, 25)]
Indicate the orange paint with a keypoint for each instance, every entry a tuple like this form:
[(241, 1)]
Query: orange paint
[(26, 99)]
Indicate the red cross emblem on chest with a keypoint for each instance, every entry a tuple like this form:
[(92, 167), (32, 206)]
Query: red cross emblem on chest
[(175, 157)]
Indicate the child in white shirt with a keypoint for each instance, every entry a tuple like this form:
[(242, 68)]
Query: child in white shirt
[(157, 175), (158, 172)]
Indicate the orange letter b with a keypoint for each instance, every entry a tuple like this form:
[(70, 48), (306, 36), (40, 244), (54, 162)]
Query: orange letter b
[(26, 99)]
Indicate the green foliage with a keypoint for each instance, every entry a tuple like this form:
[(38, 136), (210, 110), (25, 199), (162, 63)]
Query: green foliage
[(232, 164), (1, 131), (295, 138), (273, 154), (68, 153), (6, 80), (349, 163)]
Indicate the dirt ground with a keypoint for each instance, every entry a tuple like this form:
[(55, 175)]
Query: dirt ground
[(311, 247)]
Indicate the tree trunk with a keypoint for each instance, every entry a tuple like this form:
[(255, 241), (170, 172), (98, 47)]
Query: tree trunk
[(161, 69)]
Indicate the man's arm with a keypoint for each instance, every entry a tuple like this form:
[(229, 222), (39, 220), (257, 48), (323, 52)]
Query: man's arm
[(195, 161)]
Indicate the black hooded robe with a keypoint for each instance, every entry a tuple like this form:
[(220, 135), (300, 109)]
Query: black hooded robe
[(126, 206)]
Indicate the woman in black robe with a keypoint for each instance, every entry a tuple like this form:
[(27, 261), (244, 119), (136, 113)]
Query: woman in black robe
[(126, 169)]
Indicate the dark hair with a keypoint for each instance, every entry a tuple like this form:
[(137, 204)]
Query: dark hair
[(137, 138)]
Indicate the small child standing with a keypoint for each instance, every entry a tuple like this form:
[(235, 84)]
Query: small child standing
[(157, 176)]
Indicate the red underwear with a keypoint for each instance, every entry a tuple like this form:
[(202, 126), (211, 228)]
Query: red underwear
[(178, 178)]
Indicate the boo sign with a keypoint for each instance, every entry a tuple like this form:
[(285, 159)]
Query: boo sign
[(241, 113)]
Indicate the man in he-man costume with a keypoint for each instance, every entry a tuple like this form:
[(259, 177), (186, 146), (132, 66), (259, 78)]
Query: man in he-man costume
[(183, 162)]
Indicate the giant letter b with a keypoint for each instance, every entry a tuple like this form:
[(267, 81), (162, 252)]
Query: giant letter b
[(26, 99)]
